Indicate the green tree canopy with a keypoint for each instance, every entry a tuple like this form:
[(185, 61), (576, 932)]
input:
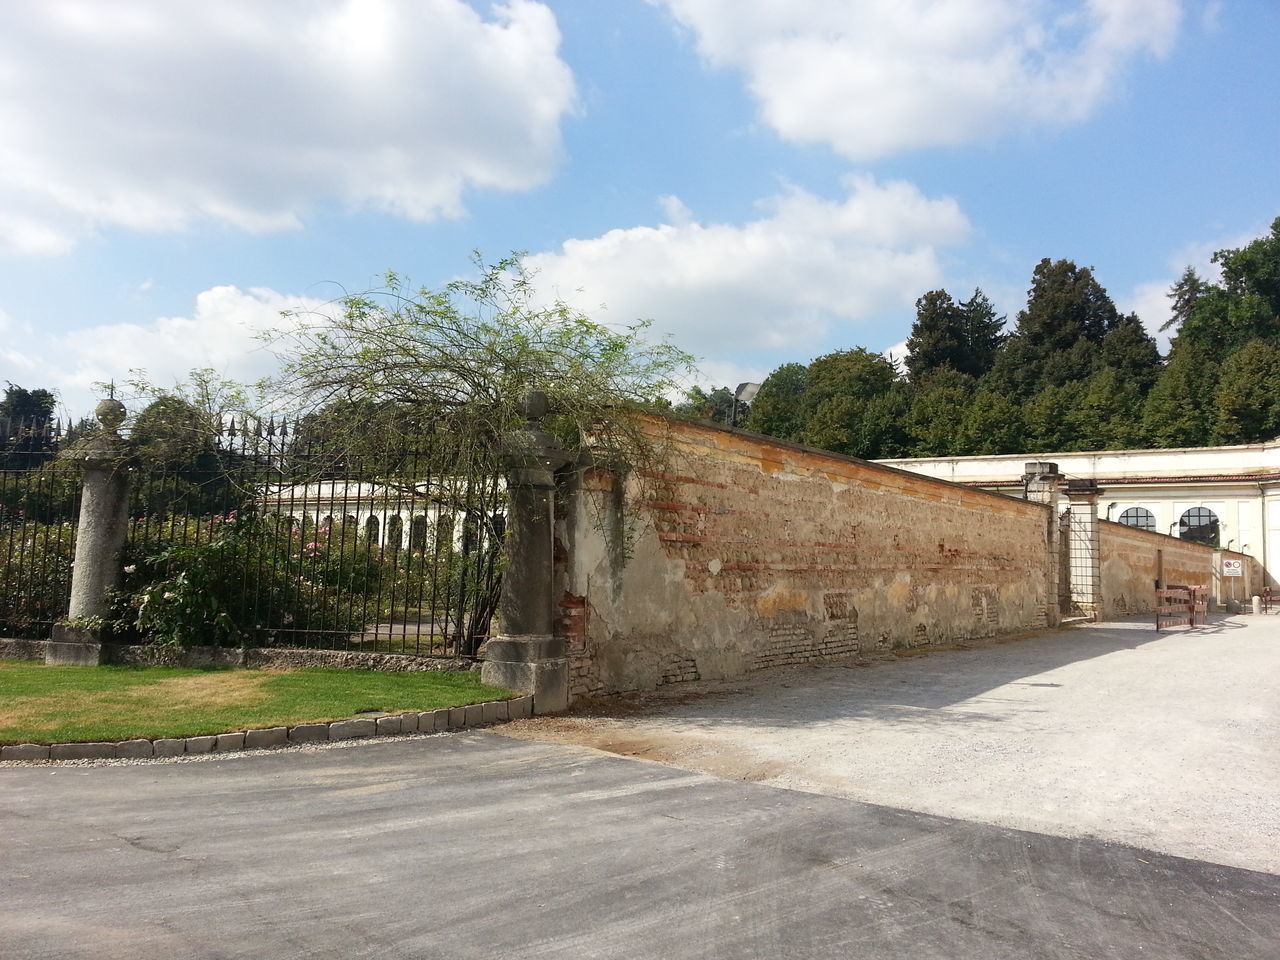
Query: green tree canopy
[(1106, 414), (1177, 411), (938, 408), (992, 424), (462, 358), (1132, 353), (1223, 317), (716, 404), (1246, 406), (778, 409), (947, 335), (1058, 336), (838, 402)]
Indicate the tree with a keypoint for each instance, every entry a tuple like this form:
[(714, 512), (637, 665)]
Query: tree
[(1177, 410), (1050, 416), (984, 333), (1244, 306), (716, 405), (937, 338), (778, 409), (945, 335), (1058, 335), (1186, 293), (937, 410), (1132, 353), (1106, 414), (461, 359), (25, 418), (838, 402), (1253, 273), (171, 431), (992, 424), (1246, 407)]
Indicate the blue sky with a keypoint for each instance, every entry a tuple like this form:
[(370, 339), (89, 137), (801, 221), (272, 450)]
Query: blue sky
[(766, 180)]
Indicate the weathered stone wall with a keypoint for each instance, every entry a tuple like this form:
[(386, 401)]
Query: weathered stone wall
[(12, 648), (1133, 559), (747, 553)]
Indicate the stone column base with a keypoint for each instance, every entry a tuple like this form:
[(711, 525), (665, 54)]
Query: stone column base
[(536, 666), (75, 647)]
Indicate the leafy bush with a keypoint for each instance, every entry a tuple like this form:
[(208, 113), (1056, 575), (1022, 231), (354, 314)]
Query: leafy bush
[(35, 575), (251, 577)]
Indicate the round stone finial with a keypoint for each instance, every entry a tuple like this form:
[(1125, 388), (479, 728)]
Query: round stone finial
[(533, 405), (110, 414)]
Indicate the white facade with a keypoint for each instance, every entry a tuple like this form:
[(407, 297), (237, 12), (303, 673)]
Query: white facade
[(406, 517), (1239, 485)]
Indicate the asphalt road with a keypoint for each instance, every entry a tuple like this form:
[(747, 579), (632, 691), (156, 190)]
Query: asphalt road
[(475, 845)]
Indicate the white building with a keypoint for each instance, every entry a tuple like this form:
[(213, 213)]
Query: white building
[(407, 516), (1226, 496)]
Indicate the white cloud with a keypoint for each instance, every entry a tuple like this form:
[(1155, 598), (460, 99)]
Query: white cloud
[(1211, 16), (221, 333), (876, 77), (897, 353), (780, 282), (724, 373), (157, 116)]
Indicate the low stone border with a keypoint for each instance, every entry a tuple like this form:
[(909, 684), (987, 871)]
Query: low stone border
[(433, 721), (272, 658)]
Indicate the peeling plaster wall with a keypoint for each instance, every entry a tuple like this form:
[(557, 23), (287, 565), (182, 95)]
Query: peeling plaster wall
[(748, 553), (1133, 559)]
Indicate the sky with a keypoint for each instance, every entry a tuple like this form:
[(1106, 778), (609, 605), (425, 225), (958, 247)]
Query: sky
[(766, 180)]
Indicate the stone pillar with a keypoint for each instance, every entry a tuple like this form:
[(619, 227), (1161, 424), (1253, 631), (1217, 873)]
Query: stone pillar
[(527, 656), (1085, 547), (1041, 483), (100, 536)]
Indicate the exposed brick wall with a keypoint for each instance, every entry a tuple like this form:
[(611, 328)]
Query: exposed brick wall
[(747, 553)]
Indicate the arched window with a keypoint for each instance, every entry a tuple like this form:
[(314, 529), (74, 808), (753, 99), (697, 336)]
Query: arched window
[(395, 531), (1139, 517), (371, 531), (444, 533), (418, 533), (1200, 525)]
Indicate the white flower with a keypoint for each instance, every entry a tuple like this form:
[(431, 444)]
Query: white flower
[(131, 568)]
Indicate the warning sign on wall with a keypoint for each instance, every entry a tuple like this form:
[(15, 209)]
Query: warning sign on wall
[(1232, 568)]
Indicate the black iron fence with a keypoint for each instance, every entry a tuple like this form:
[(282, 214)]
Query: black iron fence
[(255, 533), (39, 508)]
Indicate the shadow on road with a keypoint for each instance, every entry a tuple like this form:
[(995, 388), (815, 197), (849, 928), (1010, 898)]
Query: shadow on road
[(910, 687)]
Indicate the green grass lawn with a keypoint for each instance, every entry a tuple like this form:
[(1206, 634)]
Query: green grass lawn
[(40, 704)]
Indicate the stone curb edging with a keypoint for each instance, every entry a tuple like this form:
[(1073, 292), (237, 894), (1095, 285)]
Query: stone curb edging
[(433, 721)]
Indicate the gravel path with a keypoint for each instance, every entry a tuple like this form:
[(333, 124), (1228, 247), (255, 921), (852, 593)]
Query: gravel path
[(1169, 742)]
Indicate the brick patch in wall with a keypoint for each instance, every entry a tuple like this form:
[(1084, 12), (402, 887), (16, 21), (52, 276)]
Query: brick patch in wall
[(572, 621), (681, 670)]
